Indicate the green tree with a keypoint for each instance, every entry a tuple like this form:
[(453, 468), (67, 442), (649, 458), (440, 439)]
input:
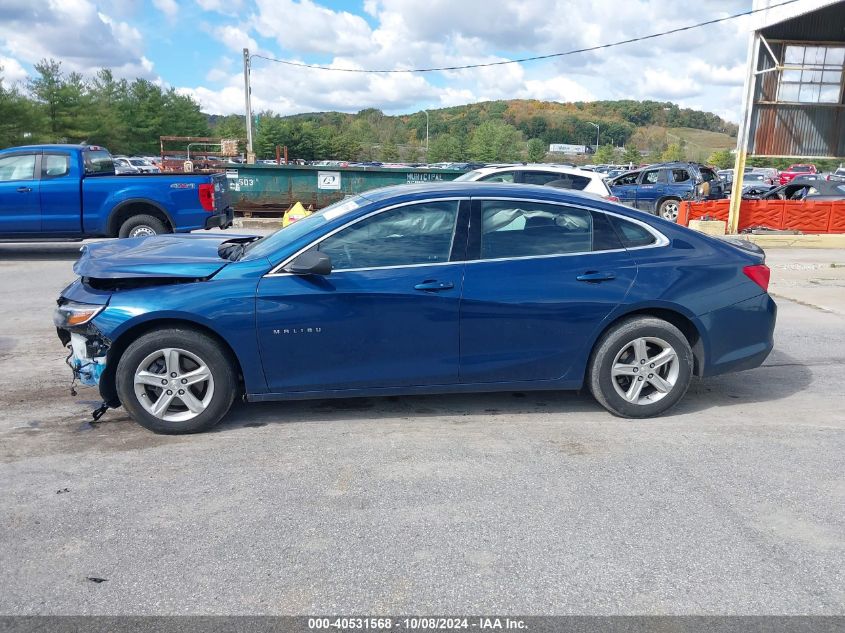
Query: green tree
[(632, 155), (19, 121), (673, 152), (46, 89), (495, 141), (536, 150), (389, 152), (722, 159), (605, 155), (445, 148)]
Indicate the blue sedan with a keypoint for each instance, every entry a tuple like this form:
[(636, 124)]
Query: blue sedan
[(417, 289)]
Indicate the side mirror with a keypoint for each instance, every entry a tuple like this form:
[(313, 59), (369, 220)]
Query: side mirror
[(310, 263)]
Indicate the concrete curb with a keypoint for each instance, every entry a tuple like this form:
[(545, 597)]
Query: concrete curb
[(829, 240), (257, 223)]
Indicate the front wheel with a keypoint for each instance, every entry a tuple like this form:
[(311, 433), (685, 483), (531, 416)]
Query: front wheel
[(640, 368), (669, 210), (176, 381)]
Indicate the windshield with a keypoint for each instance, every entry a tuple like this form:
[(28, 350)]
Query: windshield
[(754, 176), (269, 244), (470, 175)]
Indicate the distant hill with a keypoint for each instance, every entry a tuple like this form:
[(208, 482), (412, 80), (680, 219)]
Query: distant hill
[(460, 132)]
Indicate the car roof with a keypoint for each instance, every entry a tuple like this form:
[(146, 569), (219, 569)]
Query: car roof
[(420, 191), (491, 169)]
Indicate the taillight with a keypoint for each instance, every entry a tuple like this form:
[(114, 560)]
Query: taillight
[(613, 198), (759, 274), (207, 196)]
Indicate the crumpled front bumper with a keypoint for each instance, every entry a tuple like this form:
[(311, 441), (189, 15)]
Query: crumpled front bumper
[(87, 359)]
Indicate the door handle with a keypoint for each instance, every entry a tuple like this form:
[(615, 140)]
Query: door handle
[(434, 285), (24, 189), (593, 276)]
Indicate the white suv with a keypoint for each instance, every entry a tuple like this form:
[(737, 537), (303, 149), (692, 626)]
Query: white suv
[(542, 174)]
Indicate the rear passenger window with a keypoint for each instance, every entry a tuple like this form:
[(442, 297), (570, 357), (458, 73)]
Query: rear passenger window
[(569, 181), (651, 177), (680, 175), (54, 165), (632, 235), (505, 176), (527, 229)]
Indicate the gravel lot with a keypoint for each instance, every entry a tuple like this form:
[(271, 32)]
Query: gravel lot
[(506, 503)]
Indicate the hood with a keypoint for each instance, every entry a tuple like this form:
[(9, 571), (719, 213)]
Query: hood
[(184, 256)]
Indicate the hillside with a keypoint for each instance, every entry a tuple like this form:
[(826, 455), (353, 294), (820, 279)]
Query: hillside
[(491, 130)]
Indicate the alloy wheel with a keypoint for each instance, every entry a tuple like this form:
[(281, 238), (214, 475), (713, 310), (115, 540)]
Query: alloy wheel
[(645, 370), (669, 211), (173, 384)]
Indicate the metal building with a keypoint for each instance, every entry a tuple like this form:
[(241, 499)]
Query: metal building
[(794, 99)]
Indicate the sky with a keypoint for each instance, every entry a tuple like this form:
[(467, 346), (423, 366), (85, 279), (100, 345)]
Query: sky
[(196, 47)]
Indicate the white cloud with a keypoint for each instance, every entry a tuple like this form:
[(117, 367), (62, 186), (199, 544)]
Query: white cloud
[(30, 33), (235, 38), (167, 7), (12, 72), (304, 26)]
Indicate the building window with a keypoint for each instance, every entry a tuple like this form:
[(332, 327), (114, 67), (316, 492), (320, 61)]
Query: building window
[(813, 74)]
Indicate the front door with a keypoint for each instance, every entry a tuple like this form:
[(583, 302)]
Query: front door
[(651, 189), (539, 280), (624, 187), (19, 207), (386, 316)]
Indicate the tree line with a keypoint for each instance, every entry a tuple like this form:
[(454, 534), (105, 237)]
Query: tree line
[(129, 116), (125, 116)]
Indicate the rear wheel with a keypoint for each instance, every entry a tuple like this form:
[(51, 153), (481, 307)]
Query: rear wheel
[(640, 368), (142, 226), (176, 381), (668, 210)]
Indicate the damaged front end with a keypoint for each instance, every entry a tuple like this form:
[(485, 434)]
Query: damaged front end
[(88, 347)]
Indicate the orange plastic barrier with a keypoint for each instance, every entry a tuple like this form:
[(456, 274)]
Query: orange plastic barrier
[(807, 216)]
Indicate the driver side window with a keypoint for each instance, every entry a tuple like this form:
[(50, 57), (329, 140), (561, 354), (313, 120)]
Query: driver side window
[(404, 236)]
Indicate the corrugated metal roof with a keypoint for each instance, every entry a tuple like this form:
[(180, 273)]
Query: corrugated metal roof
[(823, 25)]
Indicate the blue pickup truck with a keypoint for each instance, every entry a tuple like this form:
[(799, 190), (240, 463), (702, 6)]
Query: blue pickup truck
[(55, 192)]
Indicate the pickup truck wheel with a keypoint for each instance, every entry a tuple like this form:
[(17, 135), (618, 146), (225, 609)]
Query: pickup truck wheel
[(175, 381), (142, 226), (669, 210)]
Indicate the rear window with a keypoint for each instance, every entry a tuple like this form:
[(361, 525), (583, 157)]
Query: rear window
[(97, 162), (632, 235)]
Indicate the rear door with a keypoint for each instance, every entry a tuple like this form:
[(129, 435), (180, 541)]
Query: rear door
[(60, 193), (651, 188), (539, 279), (20, 211)]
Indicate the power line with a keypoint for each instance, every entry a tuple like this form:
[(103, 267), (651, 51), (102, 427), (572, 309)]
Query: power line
[(528, 59)]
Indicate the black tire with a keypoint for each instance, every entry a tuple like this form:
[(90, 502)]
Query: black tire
[(620, 340), (224, 382), (144, 225), (669, 208)]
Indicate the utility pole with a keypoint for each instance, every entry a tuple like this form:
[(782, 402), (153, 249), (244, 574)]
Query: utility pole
[(598, 130), (426, 135), (250, 152)]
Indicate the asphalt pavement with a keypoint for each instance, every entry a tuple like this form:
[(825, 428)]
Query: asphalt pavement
[(510, 503)]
